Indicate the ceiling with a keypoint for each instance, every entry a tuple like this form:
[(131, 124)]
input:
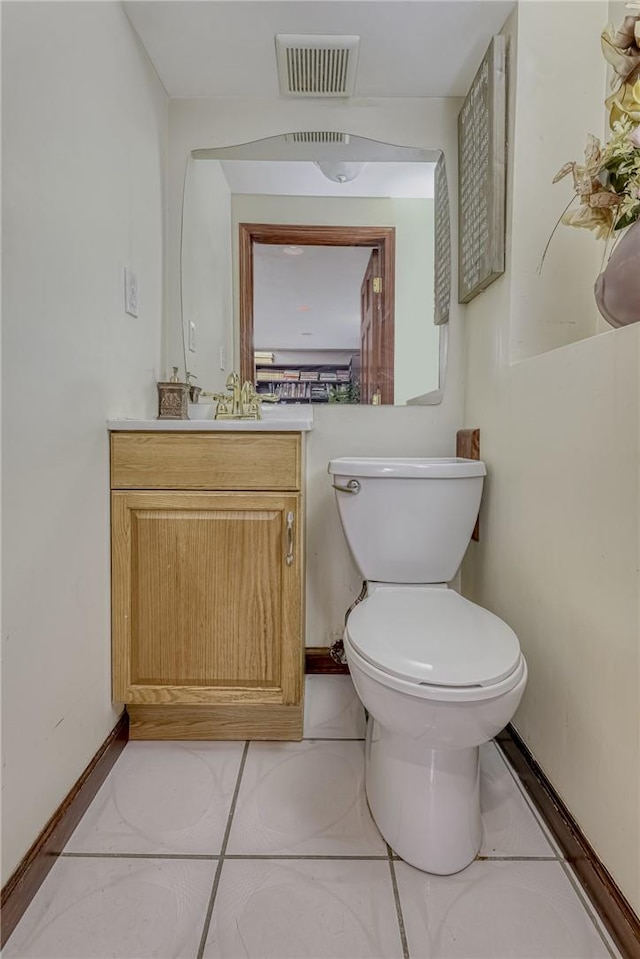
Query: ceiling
[(398, 180), (226, 48), (295, 308)]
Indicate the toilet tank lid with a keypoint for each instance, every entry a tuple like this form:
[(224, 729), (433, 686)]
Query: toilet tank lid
[(406, 467)]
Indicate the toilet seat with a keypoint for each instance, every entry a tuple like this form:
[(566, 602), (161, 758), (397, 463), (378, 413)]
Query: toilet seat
[(432, 642)]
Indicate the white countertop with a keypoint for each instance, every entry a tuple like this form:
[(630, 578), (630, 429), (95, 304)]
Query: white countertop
[(291, 418)]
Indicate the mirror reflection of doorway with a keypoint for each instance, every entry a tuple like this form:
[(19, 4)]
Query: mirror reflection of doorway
[(376, 386), (317, 312)]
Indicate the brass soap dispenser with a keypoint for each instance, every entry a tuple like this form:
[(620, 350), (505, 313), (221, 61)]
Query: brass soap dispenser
[(173, 398)]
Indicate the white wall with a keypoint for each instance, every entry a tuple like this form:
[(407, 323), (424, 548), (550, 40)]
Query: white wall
[(206, 276), (558, 556), (332, 579), (558, 105), (416, 337), (85, 131)]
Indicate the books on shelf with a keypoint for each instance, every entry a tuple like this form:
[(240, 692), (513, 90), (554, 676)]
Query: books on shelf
[(310, 384), (292, 391)]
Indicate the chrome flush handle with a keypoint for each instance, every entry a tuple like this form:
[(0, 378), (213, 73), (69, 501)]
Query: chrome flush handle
[(289, 556), (353, 486)]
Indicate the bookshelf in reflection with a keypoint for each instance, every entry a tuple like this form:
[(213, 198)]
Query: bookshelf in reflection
[(310, 382)]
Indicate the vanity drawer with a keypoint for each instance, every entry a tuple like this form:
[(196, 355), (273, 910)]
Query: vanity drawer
[(208, 461)]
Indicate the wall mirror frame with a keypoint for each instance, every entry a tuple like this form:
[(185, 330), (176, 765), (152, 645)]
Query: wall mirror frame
[(419, 342)]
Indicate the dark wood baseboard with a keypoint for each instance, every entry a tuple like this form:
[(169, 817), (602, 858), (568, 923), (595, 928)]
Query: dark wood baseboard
[(318, 660), (599, 885), (22, 886)]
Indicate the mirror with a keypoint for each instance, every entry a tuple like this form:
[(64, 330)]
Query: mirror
[(330, 268)]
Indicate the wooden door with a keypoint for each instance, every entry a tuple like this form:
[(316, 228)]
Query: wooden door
[(206, 598), (368, 332), (376, 334)]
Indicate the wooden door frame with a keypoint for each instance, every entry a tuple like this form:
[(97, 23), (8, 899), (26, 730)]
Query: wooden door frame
[(283, 234)]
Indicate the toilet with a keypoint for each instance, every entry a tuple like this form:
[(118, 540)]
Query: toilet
[(437, 674)]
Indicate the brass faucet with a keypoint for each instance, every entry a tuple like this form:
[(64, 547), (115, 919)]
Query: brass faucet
[(240, 403)]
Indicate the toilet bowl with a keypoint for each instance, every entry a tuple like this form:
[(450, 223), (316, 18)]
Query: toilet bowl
[(438, 675)]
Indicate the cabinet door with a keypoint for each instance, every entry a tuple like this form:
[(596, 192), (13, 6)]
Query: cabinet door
[(206, 598)]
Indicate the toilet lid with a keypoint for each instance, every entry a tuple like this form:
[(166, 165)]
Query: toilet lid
[(433, 635)]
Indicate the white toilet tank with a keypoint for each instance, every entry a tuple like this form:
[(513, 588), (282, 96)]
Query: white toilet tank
[(408, 520)]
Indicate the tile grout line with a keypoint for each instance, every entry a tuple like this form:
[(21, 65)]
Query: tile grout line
[(332, 739), (275, 856), (398, 905), (310, 856), (515, 859), (138, 855), (223, 849)]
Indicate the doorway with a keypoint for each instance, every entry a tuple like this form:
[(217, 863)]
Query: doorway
[(375, 350)]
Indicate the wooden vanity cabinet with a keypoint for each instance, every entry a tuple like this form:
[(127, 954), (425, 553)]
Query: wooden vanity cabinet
[(207, 584)]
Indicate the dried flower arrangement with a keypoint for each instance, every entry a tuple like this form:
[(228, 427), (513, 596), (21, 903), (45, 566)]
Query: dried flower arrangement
[(608, 183)]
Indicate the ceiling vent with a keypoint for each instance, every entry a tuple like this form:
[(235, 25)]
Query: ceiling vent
[(316, 136), (316, 66)]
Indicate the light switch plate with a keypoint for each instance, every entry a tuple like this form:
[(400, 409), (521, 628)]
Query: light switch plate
[(130, 293)]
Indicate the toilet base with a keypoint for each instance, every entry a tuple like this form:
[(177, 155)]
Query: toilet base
[(426, 802)]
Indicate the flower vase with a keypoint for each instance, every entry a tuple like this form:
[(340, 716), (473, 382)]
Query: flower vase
[(617, 289)]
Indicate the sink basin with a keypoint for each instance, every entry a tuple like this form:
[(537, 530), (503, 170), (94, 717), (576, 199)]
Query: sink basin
[(201, 411)]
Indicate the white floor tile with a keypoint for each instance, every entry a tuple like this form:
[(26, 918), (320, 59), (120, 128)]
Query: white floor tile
[(332, 709), (162, 797), (496, 910), (304, 799), (527, 798), (116, 909), (304, 910), (510, 827)]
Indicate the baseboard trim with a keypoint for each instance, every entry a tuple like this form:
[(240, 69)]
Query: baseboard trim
[(318, 659), (27, 878), (608, 901)]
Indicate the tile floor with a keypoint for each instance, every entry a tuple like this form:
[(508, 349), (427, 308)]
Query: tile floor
[(268, 851)]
